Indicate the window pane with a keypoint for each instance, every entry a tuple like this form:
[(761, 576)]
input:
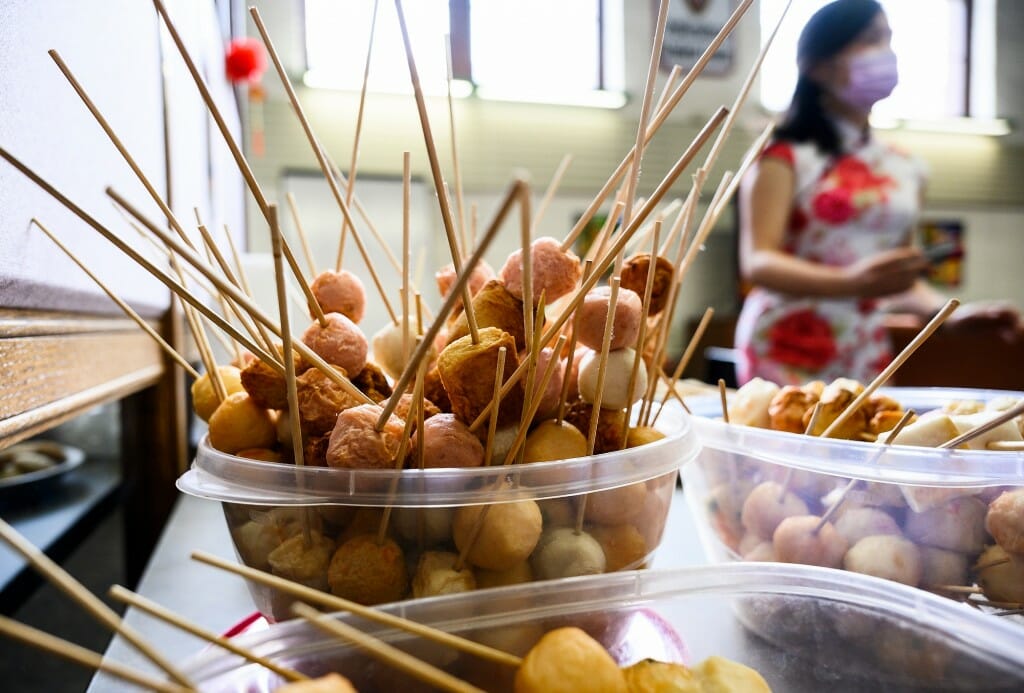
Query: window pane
[(535, 46), (932, 59), (337, 35)]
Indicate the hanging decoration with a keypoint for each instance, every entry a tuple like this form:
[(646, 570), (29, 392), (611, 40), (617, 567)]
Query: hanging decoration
[(244, 64)]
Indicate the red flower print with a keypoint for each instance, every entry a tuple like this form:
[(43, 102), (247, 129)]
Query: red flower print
[(866, 306), (802, 339), (834, 206), (797, 220)]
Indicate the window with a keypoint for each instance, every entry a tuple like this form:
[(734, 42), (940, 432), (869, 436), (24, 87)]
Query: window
[(530, 50), (945, 50)]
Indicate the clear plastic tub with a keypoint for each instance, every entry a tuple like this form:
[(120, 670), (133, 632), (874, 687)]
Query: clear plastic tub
[(935, 498), (802, 628), (627, 495)]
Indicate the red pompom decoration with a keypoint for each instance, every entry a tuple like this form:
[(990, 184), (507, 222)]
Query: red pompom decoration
[(244, 60)]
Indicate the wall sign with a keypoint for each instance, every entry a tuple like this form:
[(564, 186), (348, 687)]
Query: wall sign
[(691, 26)]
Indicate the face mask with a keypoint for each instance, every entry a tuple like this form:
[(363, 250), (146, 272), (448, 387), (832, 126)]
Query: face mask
[(873, 76)]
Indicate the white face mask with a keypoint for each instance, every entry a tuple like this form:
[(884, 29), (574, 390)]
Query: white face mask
[(872, 77)]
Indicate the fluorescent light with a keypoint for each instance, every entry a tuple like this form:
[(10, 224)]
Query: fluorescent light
[(995, 127), (331, 79), (597, 98)]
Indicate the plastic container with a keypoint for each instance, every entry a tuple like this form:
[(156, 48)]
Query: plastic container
[(803, 628), (627, 496), (935, 498)]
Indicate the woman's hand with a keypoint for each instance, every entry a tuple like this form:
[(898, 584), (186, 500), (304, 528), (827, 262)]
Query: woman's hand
[(1000, 316), (886, 273)]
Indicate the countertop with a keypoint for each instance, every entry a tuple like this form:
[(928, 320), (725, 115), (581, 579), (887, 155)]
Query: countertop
[(218, 601)]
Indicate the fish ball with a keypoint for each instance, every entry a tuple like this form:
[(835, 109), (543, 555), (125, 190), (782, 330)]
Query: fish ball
[(367, 572), (340, 342), (302, 562), (340, 292), (238, 423), (618, 371), (356, 444), (763, 510), (796, 541), (436, 574), (555, 272), (594, 317), (858, 523), (562, 553), (1004, 520), (958, 525), (567, 660), (204, 397), (886, 556), (508, 534)]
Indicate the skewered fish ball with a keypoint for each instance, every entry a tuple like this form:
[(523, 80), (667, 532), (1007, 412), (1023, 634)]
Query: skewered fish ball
[(447, 276), (493, 306), (623, 545), (436, 574), (339, 343), (725, 510), (618, 371), (516, 575), (238, 423), (634, 277), (552, 395), (447, 442), (389, 348), (404, 407), (340, 292), (594, 316), (367, 572), (432, 526), (858, 523), (255, 540), (1005, 520), (204, 397), (320, 401), (767, 506), (749, 406), (508, 535), (552, 440), (302, 562), (796, 541), (267, 387), (958, 525), (356, 444), (942, 567), (834, 400), (555, 272), (642, 435), (561, 553), (461, 365), (615, 506), (567, 660), (1000, 575), (886, 556)]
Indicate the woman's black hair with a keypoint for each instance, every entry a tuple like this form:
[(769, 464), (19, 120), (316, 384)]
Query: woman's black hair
[(828, 32)]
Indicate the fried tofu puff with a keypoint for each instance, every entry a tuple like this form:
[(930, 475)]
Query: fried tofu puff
[(239, 423), (467, 373), (787, 408), (436, 574), (302, 562), (835, 398), (340, 292), (204, 397), (567, 660), (321, 400), (493, 306), (331, 683), (372, 381), (508, 535), (367, 572), (634, 277), (623, 545), (610, 425), (652, 676)]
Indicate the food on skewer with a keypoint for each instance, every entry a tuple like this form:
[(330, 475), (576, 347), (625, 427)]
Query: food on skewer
[(886, 556), (958, 525), (555, 272), (634, 277), (567, 660), (594, 314), (767, 506), (1000, 575), (749, 406), (368, 572), (340, 292), (435, 574), (239, 423), (551, 396), (482, 274), (447, 442), (460, 366), (553, 440), (508, 535), (321, 400), (266, 386), (357, 444), (804, 539), (493, 306), (857, 523), (204, 398), (1004, 520), (616, 394), (303, 559), (340, 342), (562, 552)]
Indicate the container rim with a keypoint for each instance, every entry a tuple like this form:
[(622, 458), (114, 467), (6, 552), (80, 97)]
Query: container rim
[(894, 464), (959, 623), (215, 475)]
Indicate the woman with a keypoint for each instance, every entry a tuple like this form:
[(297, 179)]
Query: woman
[(828, 215)]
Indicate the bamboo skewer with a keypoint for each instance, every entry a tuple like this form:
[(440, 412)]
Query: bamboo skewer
[(350, 189), (456, 167), (549, 194), (225, 306), (314, 305), (967, 436), (406, 233), (900, 359), (511, 196), (725, 402), (330, 601), (67, 584), (642, 336), (202, 345), (321, 159), (392, 656), (301, 233), (623, 238), (158, 611), (691, 349), (659, 118), (808, 430), (167, 348), (645, 107), (563, 398), (435, 172), (85, 657), (492, 424)]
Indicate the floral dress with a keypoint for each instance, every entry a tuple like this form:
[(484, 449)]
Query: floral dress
[(845, 208)]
